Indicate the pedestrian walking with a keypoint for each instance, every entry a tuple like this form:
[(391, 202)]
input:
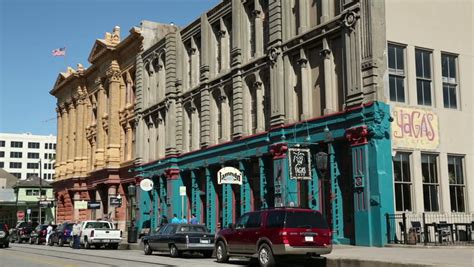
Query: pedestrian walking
[(184, 220), (49, 231), (175, 219), (194, 220), (76, 234)]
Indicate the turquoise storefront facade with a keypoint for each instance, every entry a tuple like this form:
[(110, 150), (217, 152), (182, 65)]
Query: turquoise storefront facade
[(354, 194)]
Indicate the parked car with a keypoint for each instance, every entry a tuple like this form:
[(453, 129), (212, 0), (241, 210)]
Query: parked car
[(178, 238), (98, 233), (274, 233), (22, 231), (38, 235), (62, 234), (4, 235)]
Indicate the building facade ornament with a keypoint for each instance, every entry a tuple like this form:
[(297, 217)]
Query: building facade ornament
[(358, 135)]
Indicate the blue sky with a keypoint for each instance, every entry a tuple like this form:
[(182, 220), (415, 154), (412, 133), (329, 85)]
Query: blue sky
[(31, 29)]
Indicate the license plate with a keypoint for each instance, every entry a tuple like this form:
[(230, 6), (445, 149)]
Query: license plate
[(308, 239), (204, 241), (106, 241)]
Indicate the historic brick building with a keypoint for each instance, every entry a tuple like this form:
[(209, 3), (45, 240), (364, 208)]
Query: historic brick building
[(96, 127)]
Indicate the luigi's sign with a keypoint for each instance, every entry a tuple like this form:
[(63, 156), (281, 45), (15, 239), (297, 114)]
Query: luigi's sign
[(300, 163), (229, 175)]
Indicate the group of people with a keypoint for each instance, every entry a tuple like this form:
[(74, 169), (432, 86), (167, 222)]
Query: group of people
[(76, 234), (175, 219)]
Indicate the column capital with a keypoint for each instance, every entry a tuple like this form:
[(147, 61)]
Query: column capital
[(279, 150), (358, 135), (172, 173)]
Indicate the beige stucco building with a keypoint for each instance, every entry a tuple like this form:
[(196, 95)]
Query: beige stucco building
[(431, 66)]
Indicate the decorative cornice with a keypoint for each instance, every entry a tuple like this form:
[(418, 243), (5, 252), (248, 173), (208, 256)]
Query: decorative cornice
[(279, 150), (172, 173)]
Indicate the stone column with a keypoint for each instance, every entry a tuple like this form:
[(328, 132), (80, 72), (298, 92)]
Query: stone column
[(258, 13), (245, 191), (99, 213), (100, 144), (211, 202), (59, 139), (260, 107), (225, 117), (113, 147), (306, 87), (80, 133), (195, 142), (170, 127), (71, 139), (64, 141), (329, 91), (112, 192), (129, 133), (303, 10), (77, 197)]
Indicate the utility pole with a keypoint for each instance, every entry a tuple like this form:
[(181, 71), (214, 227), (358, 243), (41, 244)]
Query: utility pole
[(41, 190)]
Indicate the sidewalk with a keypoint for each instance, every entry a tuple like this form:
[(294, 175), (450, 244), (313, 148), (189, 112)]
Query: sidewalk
[(343, 256)]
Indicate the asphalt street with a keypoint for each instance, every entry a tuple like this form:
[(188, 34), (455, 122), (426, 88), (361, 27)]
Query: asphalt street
[(22, 255)]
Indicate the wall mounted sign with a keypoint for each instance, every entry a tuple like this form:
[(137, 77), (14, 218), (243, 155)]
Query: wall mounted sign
[(146, 184), (229, 175), (93, 205), (115, 201), (46, 203), (182, 191), (299, 160), (80, 205), (414, 128)]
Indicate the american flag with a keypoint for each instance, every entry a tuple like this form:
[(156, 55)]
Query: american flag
[(59, 52)]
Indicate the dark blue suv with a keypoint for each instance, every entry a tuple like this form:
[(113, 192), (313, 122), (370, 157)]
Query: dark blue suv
[(62, 234)]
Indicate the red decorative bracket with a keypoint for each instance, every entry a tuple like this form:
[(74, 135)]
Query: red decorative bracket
[(279, 150), (357, 135), (172, 174)]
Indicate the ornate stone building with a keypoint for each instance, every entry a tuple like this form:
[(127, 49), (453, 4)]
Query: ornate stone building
[(250, 79), (96, 127)]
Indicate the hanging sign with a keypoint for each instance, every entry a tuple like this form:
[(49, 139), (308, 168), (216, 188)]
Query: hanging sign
[(229, 175), (414, 128), (300, 163)]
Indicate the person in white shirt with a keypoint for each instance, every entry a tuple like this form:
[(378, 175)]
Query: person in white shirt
[(49, 231)]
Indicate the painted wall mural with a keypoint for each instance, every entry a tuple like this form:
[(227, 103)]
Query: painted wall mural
[(414, 128)]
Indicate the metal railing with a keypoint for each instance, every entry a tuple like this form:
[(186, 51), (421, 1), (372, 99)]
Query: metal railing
[(430, 228)]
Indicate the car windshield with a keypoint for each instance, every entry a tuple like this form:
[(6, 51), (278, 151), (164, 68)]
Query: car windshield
[(98, 225), (192, 228), (298, 219)]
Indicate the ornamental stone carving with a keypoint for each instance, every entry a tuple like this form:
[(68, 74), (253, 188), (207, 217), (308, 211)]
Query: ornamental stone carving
[(325, 53), (273, 54), (279, 150), (349, 20), (113, 75), (357, 135)]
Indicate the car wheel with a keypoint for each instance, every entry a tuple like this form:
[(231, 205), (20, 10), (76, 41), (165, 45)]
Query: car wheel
[(60, 242), (174, 252), (207, 254), (147, 249), (6, 245), (265, 256), (221, 252)]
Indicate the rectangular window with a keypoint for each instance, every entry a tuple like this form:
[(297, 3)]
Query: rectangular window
[(456, 183), (16, 174), (54, 146), (2, 143), (33, 155), (33, 145), (402, 178), (32, 165), (423, 77), (2, 164), (16, 155), (429, 170), (448, 66), (30, 174), (16, 144), (2, 154), (396, 66), (45, 145), (15, 165)]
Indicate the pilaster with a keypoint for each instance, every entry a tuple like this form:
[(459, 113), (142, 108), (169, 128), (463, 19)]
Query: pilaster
[(100, 140), (212, 212), (205, 117), (71, 138), (238, 105), (113, 146)]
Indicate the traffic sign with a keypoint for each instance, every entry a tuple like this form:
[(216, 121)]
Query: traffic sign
[(115, 202), (28, 211), (182, 190)]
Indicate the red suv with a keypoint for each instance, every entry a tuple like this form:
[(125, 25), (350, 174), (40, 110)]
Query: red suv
[(276, 232)]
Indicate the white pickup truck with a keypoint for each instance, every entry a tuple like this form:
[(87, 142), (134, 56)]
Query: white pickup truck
[(98, 233)]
